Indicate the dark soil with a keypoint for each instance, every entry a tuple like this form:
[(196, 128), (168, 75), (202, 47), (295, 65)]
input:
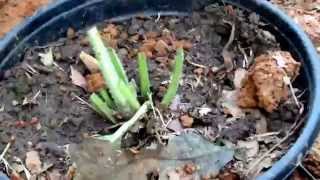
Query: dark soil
[(57, 117)]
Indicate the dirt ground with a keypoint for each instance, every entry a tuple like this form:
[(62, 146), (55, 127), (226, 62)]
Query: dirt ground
[(14, 11)]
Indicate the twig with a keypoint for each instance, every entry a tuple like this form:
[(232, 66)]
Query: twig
[(6, 149), (158, 17), (156, 111), (83, 101), (306, 171), (26, 171), (225, 52), (195, 64), (287, 81), (292, 130), (245, 56)]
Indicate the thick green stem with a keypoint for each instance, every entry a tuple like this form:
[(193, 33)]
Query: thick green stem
[(102, 107), (116, 83), (175, 79), (127, 125), (143, 75)]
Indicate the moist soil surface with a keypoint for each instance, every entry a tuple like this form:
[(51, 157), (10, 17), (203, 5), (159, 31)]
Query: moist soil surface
[(42, 109)]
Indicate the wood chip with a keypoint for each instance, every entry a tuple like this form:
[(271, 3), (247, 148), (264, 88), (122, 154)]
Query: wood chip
[(90, 62), (77, 78)]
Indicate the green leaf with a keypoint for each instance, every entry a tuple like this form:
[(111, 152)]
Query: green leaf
[(143, 75), (127, 125), (118, 64), (106, 97), (102, 107), (113, 73), (175, 79)]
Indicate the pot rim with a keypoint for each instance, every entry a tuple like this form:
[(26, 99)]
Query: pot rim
[(296, 37)]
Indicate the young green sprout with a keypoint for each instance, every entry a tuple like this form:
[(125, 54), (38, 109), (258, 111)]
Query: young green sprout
[(120, 95), (144, 75), (114, 76), (175, 79)]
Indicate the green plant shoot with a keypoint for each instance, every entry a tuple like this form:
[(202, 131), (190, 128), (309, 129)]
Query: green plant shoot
[(114, 75), (143, 75), (102, 107), (175, 79)]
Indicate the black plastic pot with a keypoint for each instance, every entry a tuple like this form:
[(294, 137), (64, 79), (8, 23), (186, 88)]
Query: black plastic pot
[(50, 23)]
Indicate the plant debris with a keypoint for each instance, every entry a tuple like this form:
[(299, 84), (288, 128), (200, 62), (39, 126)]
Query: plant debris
[(265, 85), (190, 151), (205, 104), (33, 162), (77, 78)]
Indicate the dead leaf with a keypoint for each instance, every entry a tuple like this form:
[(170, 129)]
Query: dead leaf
[(110, 34), (33, 162), (95, 82), (77, 78), (97, 159), (239, 76), (47, 58), (186, 121), (186, 45), (251, 148), (229, 103), (261, 125), (175, 125), (161, 47), (71, 173), (90, 62), (55, 175)]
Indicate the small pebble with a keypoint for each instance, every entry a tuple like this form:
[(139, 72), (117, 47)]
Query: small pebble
[(186, 121)]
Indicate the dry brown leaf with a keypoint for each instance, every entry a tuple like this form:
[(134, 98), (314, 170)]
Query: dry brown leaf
[(77, 78), (186, 45), (265, 87), (112, 30), (152, 35), (110, 34), (239, 76), (251, 147), (95, 82), (161, 48), (71, 173), (229, 103), (33, 162), (55, 175), (90, 62), (186, 121)]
